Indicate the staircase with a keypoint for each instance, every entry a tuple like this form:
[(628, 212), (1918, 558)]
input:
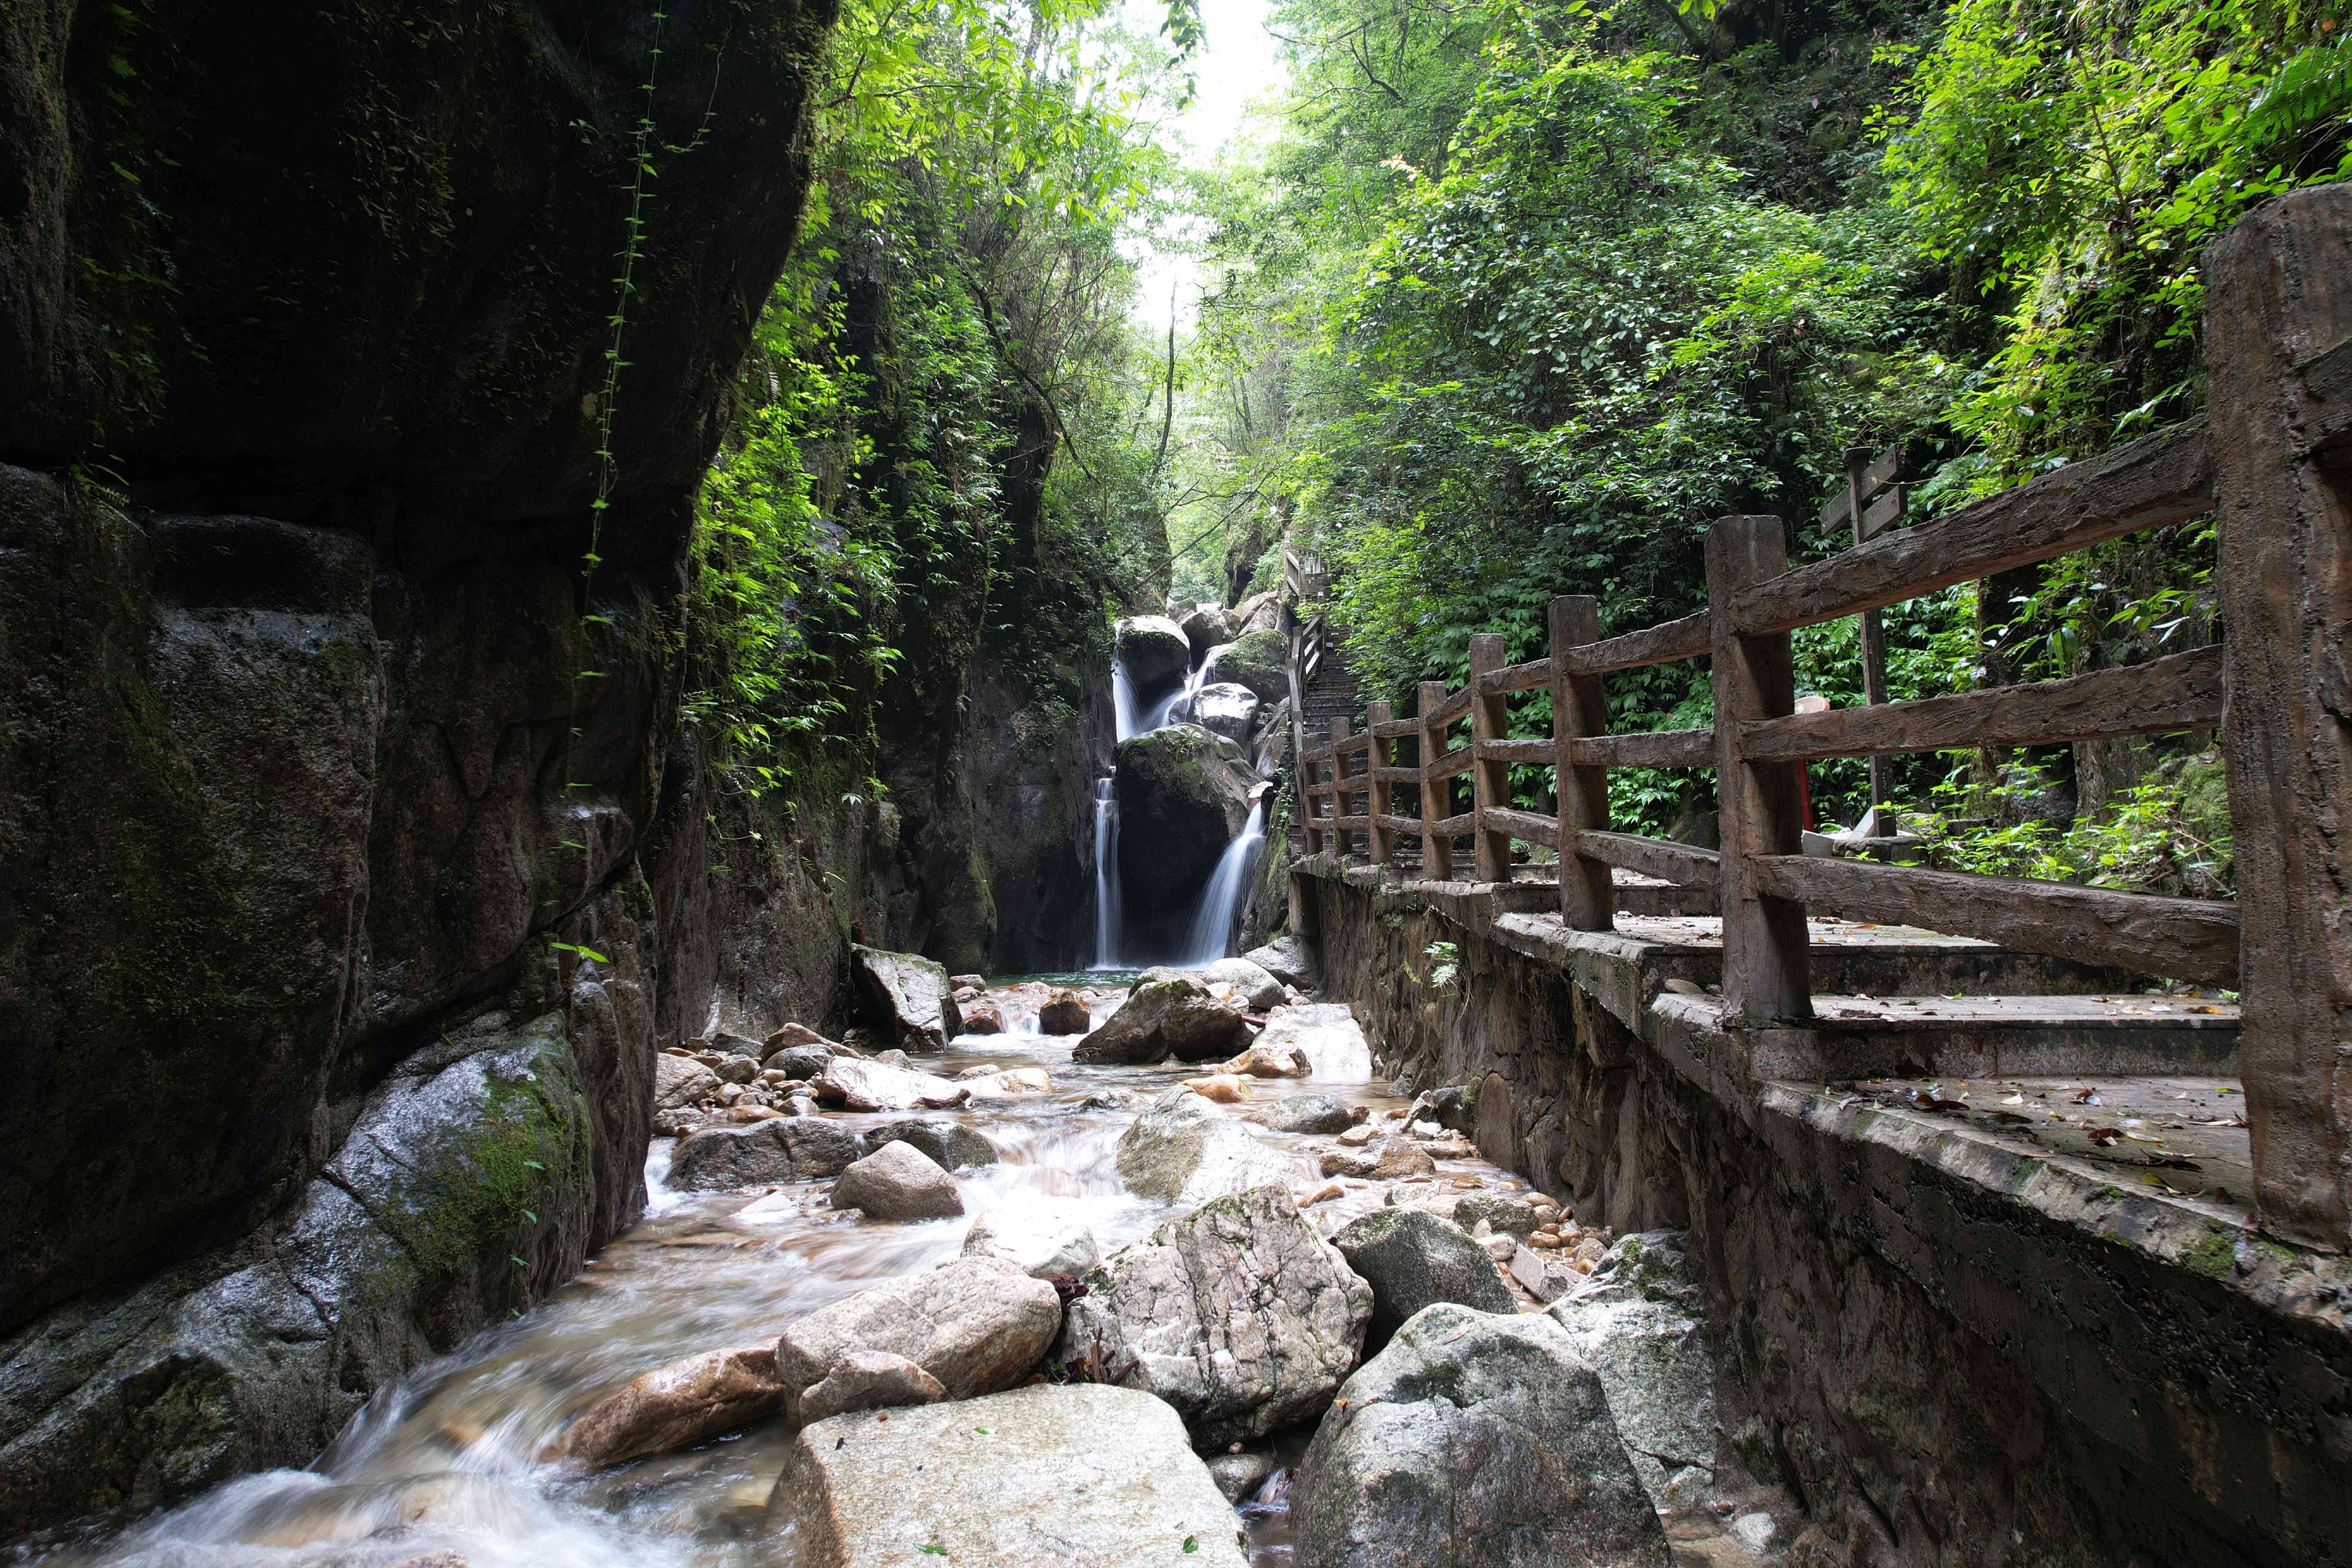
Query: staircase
[(1324, 687)]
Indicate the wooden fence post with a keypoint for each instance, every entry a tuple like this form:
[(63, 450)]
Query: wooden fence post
[(2278, 332), (1763, 938), (1340, 731), (1376, 788), (1587, 890), (1436, 793), (1308, 818), (1490, 782)]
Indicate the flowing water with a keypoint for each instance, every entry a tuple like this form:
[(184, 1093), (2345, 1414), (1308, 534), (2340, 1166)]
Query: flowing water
[(448, 1459), (1212, 935), (1107, 912)]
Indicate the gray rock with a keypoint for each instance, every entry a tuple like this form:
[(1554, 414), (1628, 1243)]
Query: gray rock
[(1259, 660), (869, 1380), (1226, 708), (1473, 1440), (731, 1045), (876, 1086), (799, 1061), (1182, 1150), (1208, 627), (951, 1145), (779, 1149), (1501, 1212), (1044, 1243), (1390, 1160), (1325, 1036), (1546, 1276), (1238, 1314), (904, 998), (1287, 959), (1183, 794), (679, 1082), (1640, 1319), (674, 1406), (976, 1324), (1304, 1113), (737, 1069), (1456, 1106), (1239, 1475), (1153, 650), (1072, 1477), (897, 1181), (1166, 1014), (1412, 1258), (1260, 991)]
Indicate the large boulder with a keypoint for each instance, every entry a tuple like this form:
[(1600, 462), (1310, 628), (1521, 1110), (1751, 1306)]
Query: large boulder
[(1226, 708), (801, 1062), (950, 1144), (1167, 1015), (1411, 1259), (1259, 660), (904, 998), (1183, 794), (1238, 1314), (897, 1181), (1043, 1238), (861, 1085), (779, 1149), (1286, 959), (1475, 1440), (1209, 627), (1640, 1319), (1259, 991), (1389, 1160), (1182, 1150), (673, 1405), (1260, 612), (1324, 1036), (1305, 1113), (1064, 1013), (679, 1082), (977, 1325), (1153, 650), (1073, 1477)]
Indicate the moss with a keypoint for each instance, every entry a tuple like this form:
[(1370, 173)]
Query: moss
[(2211, 1257)]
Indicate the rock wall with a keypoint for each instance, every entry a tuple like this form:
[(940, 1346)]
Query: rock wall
[(1950, 1360), (351, 857)]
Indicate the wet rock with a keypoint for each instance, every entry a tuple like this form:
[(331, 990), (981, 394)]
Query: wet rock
[(1183, 794), (1072, 1477), (1640, 1319), (977, 1325), (1042, 1240), (904, 998), (895, 1057), (1357, 1136), (1238, 1314), (775, 1149), (1226, 708), (1542, 1275), (736, 1069), (1208, 627), (971, 982), (1260, 991), (679, 1082), (1499, 1211), (983, 1017), (433, 1559), (869, 1380), (897, 1182), (1239, 1475), (1412, 1258), (1222, 1088), (799, 1062), (1259, 660), (1007, 1083), (1448, 1146), (1304, 1113), (1475, 1440), (1154, 651), (1286, 959), (951, 1145), (737, 1047), (876, 1086), (789, 1036), (1278, 1059), (1324, 1036), (1392, 1159), (1064, 1014), (1168, 1014), (1180, 1150), (1454, 1106), (673, 1405)]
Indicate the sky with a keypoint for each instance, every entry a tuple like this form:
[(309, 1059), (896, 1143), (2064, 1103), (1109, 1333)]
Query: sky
[(1239, 60)]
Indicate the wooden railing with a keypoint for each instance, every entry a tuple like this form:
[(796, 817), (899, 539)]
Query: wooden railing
[(1763, 883), (2278, 363)]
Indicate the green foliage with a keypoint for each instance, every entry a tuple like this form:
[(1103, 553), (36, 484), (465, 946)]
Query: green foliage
[(2168, 834)]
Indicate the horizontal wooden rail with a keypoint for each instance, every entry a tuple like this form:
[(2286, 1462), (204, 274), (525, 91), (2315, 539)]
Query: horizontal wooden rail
[(1539, 752), (2182, 691), (1452, 826), (1516, 678), (1397, 824), (2194, 940), (1687, 638), (1526, 825), (1457, 761), (1644, 749), (1395, 729), (1396, 775), (1457, 704), (1685, 864), (1345, 823), (2161, 478)]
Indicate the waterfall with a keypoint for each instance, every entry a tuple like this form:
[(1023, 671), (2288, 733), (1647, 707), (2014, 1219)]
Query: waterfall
[(1164, 711), (1221, 900), (1122, 698), (1107, 909)]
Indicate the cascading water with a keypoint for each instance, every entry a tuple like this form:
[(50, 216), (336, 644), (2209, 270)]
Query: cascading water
[(1122, 698), (1228, 889), (1178, 702), (1107, 902)]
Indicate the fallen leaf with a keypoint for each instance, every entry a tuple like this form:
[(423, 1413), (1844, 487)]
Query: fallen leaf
[(2103, 1136), (2088, 1097)]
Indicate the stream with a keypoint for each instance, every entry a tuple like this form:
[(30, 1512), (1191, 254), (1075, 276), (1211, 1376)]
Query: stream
[(445, 1461)]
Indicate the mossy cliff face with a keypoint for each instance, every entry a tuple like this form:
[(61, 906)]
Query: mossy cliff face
[(300, 781)]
